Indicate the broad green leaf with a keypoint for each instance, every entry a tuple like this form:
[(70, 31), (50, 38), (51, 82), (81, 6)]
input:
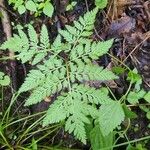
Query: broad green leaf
[(130, 147), (118, 70), (4, 79), (101, 3), (134, 97), (148, 115), (21, 9), (147, 97), (30, 5), (17, 3), (128, 112), (134, 76), (34, 144), (110, 116), (98, 141), (144, 108), (48, 9)]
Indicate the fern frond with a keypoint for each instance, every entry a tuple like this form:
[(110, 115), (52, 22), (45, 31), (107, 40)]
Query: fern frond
[(44, 38), (75, 125), (59, 67), (65, 107), (33, 37), (14, 44), (82, 71), (50, 85), (91, 50), (49, 79), (28, 48), (58, 111), (33, 80), (82, 28), (24, 41), (75, 107), (92, 95), (38, 95)]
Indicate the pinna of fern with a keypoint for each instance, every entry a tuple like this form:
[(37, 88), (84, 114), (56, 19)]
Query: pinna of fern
[(66, 75)]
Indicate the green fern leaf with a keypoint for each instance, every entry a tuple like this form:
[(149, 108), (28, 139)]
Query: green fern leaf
[(100, 48), (92, 95), (37, 96), (67, 36), (65, 107), (33, 80), (32, 36), (13, 44), (90, 72), (50, 86), (57, 43), (82, 28), (59, 67), (72, 30), (44, 38), (75, 125), (67, 104), (38, 58), (24, 39), (58, 111)]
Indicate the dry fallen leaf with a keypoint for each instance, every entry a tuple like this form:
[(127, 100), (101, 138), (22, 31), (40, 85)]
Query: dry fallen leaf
[(116, 8), (121, 26)]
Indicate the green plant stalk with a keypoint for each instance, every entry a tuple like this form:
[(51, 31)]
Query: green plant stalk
[(53, 148), (126, 137), (129, 142), (119, 61), (123, 98), (7, 58), (35, 132), (5, 140), (29, 128), (6, 115), (22, 148), (68, 76), (112, 93), (22, 119), (130, 85), (41, 138), (2, 97), (124, 132)]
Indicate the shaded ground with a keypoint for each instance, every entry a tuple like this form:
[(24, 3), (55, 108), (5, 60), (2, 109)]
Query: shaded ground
[(128, 22)]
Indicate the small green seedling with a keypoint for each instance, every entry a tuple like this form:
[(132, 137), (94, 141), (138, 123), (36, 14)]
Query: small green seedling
[(71, 6)]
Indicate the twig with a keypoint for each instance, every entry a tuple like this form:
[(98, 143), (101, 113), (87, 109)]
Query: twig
[(1, 6), (7, 30)]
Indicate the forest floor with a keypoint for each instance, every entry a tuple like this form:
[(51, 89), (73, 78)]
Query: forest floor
[(127, 22)]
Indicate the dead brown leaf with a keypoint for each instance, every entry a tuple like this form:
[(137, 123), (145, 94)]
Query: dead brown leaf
[(116, 8), (121, 26)]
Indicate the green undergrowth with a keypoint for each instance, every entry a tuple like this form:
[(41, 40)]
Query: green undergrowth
[(38, 7), (62, 68)]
